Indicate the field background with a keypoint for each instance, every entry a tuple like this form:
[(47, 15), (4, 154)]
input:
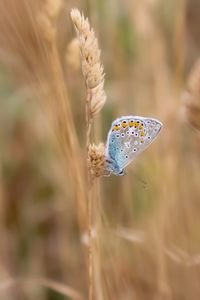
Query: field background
[(147, 241)]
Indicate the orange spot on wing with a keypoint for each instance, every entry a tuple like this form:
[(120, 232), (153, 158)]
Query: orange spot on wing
[(131, 123), (124, 124), (136, 123), (141, 127), (142, 133), (115, 128)]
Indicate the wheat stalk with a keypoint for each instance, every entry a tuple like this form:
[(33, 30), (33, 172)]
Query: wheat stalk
[(191, 96), (93, 73), (30, 50), (72, 56)]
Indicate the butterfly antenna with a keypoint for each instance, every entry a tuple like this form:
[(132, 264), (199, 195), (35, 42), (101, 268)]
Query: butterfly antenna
[(143, 182)]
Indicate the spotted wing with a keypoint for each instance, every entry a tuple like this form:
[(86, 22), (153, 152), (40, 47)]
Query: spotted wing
[(129, 136)]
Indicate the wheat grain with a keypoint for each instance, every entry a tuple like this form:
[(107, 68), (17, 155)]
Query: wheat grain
[(96, 160)]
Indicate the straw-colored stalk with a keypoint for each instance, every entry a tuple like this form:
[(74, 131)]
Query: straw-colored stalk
[(47, 17), (72, 56), (93, 73), (191, 97), (56, 93), (28, 47)]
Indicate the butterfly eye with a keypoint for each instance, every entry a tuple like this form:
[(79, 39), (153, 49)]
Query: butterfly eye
[(121, 173)]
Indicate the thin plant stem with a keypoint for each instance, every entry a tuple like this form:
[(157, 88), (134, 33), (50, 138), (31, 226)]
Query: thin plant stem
[(93, 73), (88, 119), (90, 184), (90, 246)]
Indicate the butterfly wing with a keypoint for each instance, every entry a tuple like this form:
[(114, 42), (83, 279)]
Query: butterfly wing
[(129, 136)]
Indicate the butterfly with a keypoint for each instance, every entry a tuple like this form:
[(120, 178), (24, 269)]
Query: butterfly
[(128, 137)]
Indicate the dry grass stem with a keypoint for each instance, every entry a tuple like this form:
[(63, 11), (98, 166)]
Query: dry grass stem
[(47, 18), (191, 97), (32, 55), (72, 55), (93, 73), (62, 289)]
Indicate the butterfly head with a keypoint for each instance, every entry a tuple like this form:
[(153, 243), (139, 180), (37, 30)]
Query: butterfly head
[(121, 173)]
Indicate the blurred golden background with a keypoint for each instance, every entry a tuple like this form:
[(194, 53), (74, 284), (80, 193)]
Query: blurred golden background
[(147, 242)]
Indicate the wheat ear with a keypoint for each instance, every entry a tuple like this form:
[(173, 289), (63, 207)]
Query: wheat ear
[(93, 73)]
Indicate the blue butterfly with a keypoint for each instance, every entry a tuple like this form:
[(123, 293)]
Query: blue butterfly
[(129, 136)]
